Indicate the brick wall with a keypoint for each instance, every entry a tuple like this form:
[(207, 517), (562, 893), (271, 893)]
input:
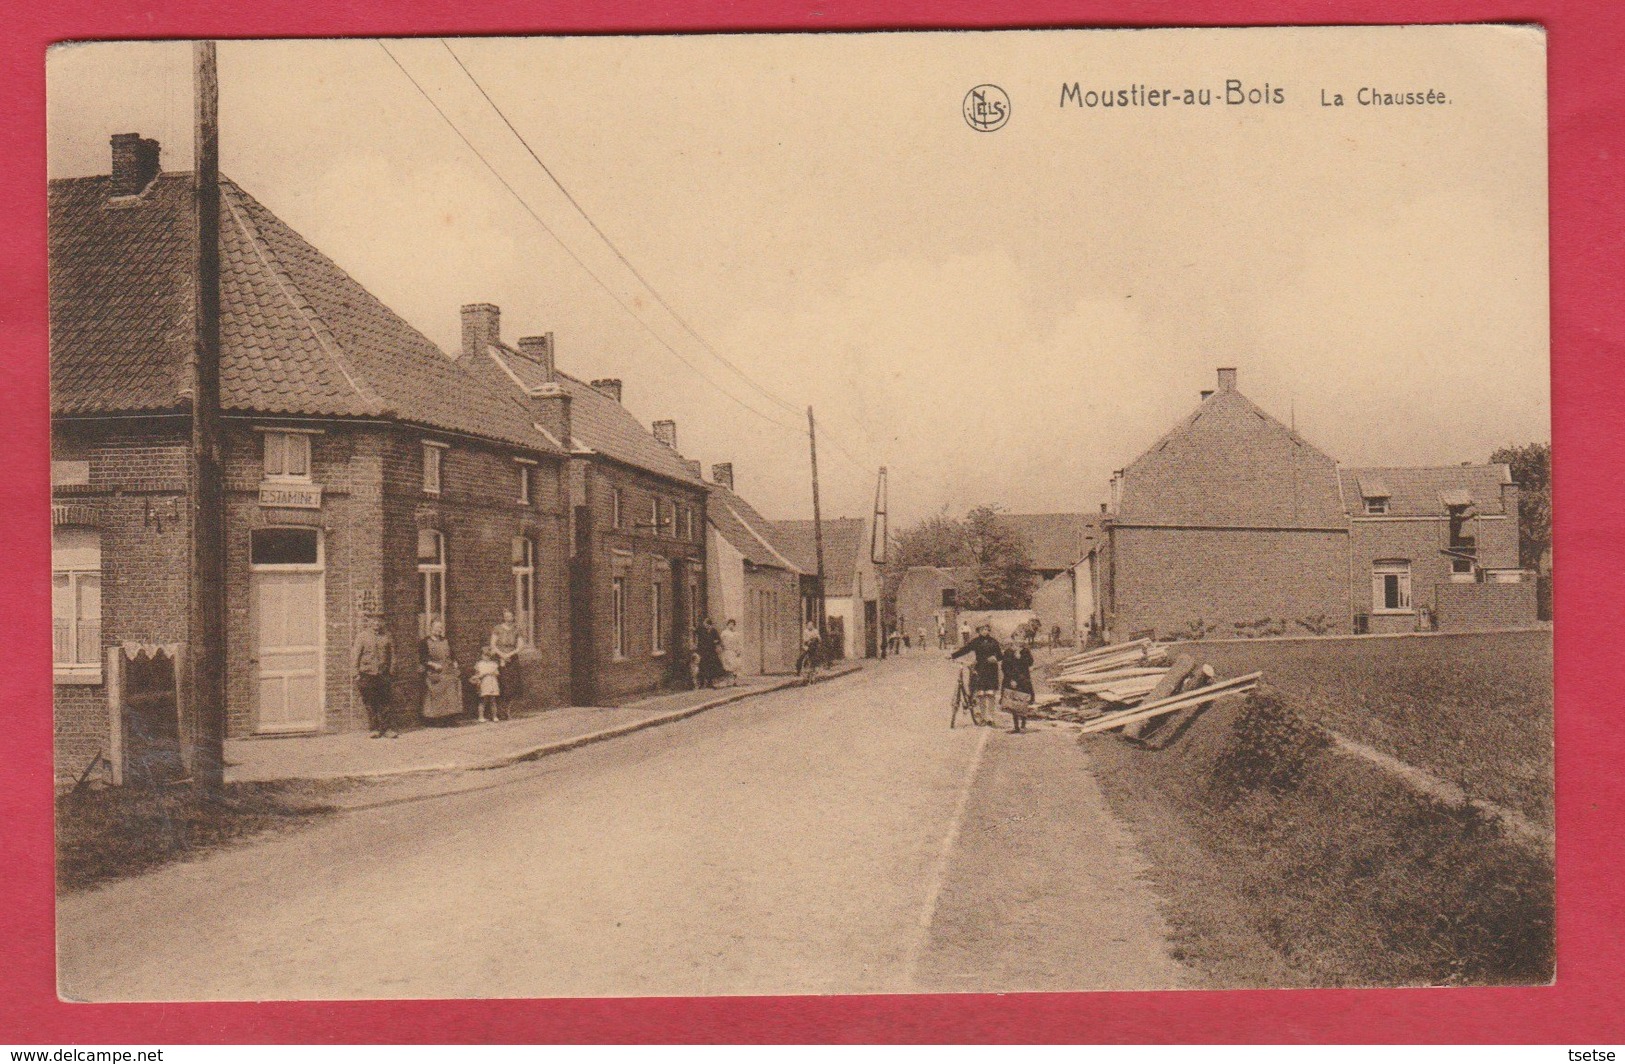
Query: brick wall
[(640, 557), (136, 497), (1165, 579), (1230, 464), (919, 598), (478, 515), (1484, 607)]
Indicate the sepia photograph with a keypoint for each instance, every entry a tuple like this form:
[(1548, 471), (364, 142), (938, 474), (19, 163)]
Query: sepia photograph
[(801, 514)]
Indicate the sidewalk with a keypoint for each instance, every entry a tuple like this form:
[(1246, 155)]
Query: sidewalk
[(353, 755)]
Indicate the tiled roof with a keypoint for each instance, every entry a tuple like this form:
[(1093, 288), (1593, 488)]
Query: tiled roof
[(1425, 490), (299, 336), (598, 422), (751, 534), (1054, 541), (844, 538)]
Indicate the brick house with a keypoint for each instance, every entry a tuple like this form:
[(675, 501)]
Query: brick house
[(750, 579), (1233, 524), (363, 468), (637, 516), (851, 579)]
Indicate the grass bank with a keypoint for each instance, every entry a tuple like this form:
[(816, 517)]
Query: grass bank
[(1474, 709), (1286, 863), (108, 834)]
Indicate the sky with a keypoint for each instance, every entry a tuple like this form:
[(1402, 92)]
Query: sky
[(998, 317)]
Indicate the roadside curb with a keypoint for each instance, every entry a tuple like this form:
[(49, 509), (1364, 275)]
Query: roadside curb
[(559, 746)]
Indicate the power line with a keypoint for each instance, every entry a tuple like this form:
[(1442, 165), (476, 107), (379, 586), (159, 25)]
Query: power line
[(605, 236), (614, 249), (566, 248)]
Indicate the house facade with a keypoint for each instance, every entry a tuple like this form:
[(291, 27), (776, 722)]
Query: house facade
[(929, 600), (636, 517), (364, 471), (751, 580), (1233, 524), (851, 580)]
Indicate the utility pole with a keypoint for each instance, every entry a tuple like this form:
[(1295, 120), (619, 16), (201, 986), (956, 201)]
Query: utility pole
[(879, 532), (818, 526), (205, 682)]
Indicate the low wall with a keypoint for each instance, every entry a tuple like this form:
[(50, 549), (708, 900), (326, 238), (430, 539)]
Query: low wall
[(1484, 607)]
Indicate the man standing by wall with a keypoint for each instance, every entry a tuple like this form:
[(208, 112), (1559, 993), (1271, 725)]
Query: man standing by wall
[(374, 661)]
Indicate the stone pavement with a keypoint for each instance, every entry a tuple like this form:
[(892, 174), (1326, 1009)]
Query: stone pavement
[(355, 755)]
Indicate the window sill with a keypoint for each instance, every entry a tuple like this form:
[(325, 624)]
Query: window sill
[(76, 677), (1393, 613), (657, 654)]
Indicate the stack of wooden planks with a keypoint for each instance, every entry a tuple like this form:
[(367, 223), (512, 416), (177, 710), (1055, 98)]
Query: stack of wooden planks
[(1132, 688)]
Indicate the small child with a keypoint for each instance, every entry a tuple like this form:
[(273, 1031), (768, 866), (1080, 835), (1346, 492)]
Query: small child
[(485, 678)]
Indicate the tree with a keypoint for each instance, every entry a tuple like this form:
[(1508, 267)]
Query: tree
[(1002, 569), (936, 540), (1532, 472)]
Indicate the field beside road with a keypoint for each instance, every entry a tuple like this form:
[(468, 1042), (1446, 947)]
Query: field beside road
[(1474, 709), (1285, 862)]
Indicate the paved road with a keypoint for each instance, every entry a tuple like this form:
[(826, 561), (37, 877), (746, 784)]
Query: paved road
[(837, 839)]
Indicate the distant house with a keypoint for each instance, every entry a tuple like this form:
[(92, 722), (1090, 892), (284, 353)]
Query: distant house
[(636, 516), (1058, 545), (851, 580), (364, 471), (751, 579), (1234, 524), (929, 600)]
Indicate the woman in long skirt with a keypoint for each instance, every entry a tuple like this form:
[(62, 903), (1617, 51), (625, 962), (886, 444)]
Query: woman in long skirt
[(442, 690), (733, 651)]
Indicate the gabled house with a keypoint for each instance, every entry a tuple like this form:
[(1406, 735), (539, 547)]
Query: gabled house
[(851, 580), (636, 516), (929, 599), (364, 470), (1233, 524), (751, 579)]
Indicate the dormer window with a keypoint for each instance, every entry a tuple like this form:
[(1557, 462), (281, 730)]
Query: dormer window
[(287, 456), (1376, 504)]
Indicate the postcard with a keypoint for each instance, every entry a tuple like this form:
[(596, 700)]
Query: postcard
[(760, 514)]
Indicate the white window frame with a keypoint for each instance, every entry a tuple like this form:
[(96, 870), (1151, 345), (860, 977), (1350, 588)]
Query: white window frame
[(657, 626), (1376, 505), (616, 508), (76, 669), (527, 473), (1459, 575), (432, 583), (654, 515), (278, 442), (434, 458), (524, 591), (688, 522), (617, 590), (1380, 572)]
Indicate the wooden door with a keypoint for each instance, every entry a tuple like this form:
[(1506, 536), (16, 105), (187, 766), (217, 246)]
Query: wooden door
[(288, 636)]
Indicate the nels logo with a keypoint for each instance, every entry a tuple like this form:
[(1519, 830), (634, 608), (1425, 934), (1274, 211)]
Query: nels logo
[(986, 108)]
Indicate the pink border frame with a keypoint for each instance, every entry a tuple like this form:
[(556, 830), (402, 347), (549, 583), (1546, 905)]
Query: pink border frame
[(1587, 110)]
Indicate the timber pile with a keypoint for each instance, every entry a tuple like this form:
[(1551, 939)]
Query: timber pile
[(1133, 687)]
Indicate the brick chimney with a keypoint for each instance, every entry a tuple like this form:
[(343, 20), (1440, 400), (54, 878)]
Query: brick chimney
[(693, 467), (482, 327), (723, 473), (1227, 379), (539, 349), (135, 164), (550, 405), (666, 433), (610, 386)]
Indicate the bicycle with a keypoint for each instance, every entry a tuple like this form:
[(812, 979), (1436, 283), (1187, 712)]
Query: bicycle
[(807, 664), (968, 701)]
